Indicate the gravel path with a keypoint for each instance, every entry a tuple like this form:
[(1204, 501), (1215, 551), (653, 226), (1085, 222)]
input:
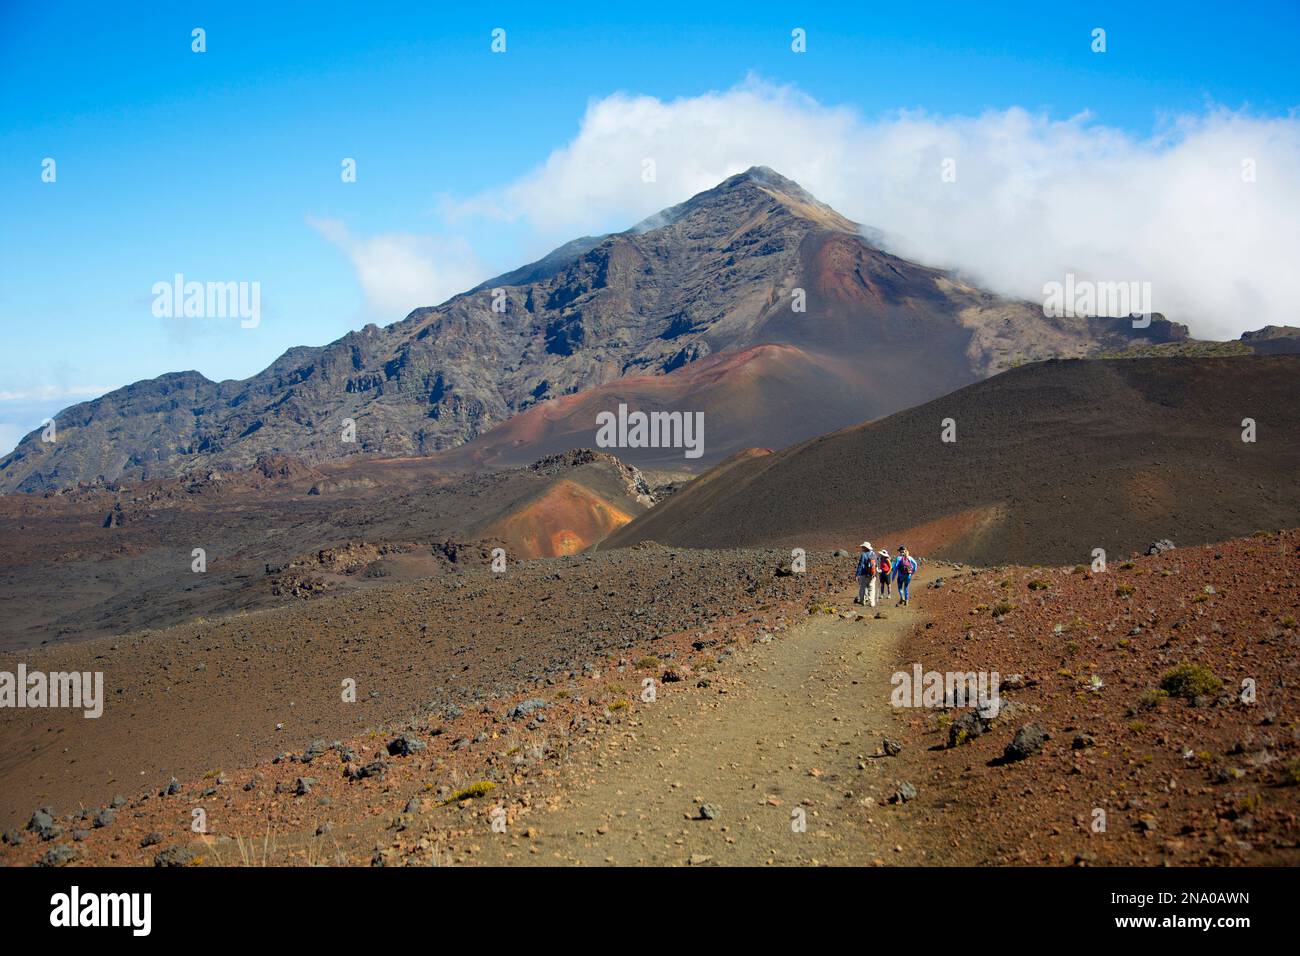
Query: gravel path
[(795, 735)]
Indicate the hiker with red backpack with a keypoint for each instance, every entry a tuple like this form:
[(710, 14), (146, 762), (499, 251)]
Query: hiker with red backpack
[(885, 565), (904, 568), (866, 574)]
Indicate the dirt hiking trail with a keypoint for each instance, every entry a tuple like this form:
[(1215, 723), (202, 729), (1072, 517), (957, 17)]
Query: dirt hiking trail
[(789, 733)]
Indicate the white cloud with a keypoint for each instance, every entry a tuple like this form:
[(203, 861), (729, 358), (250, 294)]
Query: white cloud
[(1033, 198), (43, 393), (399, 272), (10, 436), (25, 409)]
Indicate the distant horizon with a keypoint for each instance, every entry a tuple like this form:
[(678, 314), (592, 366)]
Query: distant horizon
[(232, 164)]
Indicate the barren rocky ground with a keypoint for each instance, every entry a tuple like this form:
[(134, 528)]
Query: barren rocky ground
[(116, 558), (447, 653), (1168, 687), (766, 740)]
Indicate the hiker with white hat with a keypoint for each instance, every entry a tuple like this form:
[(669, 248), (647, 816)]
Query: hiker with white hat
[(866, 572)]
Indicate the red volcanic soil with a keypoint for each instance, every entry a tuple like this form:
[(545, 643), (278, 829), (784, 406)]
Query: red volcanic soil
[(231, 708), (565, 519), (782, 392), (1050, 461), (533, 678), (1206, 778)]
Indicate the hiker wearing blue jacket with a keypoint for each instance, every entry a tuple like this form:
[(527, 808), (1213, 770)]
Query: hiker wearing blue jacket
[(866, 573), (904, 568)]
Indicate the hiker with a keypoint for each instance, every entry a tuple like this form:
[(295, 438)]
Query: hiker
[(866, 572), (884, 565), (904, 568)]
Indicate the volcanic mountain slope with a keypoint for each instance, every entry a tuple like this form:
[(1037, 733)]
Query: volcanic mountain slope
[(1050, 461), (101, 560), (718, 273), (780, 391)]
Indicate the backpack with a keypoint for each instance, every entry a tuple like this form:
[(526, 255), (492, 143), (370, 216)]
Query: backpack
[(883, 563), (906, 566)]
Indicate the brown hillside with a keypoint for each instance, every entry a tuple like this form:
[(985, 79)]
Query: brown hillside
[(1051, 461)]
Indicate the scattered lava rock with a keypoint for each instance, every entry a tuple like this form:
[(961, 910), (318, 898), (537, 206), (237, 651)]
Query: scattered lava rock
[(44, 825), (58, 856), (903, 793), (966, 728), (1028, 740), (405, 745), (175, 856)]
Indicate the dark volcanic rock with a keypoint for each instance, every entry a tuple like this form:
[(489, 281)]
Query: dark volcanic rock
[(965, 728), (405, 745), (44, 825), (175, 856), (58, 856), (1028, 740), (526, 707), (903, 793)]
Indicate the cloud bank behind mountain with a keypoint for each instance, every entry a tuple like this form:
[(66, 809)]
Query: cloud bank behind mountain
[(1205, 209)]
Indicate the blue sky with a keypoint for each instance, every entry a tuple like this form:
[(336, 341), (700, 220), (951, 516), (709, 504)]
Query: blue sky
[(225, 165)]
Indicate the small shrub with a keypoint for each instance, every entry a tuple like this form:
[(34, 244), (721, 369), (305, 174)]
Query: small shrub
[(1123, 590), (1151, 699), (618, 705), (1250, 804), (1189, 681), (473, 791), (649, 661), (1003, 608), (1037, 585)]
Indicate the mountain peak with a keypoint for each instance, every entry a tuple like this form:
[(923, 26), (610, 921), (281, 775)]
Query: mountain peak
[(767, 176), (755, 186)]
